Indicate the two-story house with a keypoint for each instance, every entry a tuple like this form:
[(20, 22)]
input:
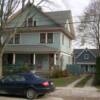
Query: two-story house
[(86, 58), (43, 38)]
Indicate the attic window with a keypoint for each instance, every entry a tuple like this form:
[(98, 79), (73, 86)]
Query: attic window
[(30, 21), (86, 56)]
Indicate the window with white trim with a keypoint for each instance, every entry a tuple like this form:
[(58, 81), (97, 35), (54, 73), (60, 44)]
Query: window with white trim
[(17, 38), (46, 37), (30, 22), (50, 38), (42, 37)]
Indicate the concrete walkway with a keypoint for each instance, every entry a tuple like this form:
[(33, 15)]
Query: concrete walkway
[(75, 82), (89, 82), (73, 93)]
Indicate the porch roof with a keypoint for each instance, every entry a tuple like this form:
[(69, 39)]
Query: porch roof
[(29, 49)]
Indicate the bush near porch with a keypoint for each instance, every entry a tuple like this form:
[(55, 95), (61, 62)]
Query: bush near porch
[(12, 69), (55, 72)]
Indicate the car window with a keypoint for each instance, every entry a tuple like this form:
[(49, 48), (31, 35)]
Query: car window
[(7, 79), (19, 78)]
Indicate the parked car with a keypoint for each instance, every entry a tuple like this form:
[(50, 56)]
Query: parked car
[(28, 84)]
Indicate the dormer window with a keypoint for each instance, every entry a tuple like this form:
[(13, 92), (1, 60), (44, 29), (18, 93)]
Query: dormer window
[(86, 56), (30, 21)]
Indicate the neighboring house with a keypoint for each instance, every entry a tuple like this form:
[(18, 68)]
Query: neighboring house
[(43, 38), (86, 58)]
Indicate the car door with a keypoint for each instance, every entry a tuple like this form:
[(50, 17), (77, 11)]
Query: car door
[(6, 85), (20, 85)]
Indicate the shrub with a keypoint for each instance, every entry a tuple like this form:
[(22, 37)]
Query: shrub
[(17, 69), (57, 72)]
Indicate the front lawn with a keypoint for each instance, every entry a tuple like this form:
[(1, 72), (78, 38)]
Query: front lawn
[(64, 81)]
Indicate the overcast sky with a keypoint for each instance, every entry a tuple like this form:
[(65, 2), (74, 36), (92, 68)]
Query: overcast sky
[(76, 6)]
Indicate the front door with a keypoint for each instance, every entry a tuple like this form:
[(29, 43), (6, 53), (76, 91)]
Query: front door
[(10, 58), (86, 68)]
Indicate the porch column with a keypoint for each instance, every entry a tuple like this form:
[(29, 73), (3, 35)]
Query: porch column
[(46, 38), (14, 58), (55, 62), (34, 59), (88, 68)]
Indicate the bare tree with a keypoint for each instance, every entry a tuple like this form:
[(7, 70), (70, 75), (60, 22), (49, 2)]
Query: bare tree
[(90, 25), (7, 9)]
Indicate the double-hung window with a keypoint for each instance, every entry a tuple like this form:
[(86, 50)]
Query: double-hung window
[(50, 38), (42, 38), (46, 37), (30, 22), (15, 39)]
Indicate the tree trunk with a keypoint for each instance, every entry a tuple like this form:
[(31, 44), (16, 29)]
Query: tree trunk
[(1, 73)]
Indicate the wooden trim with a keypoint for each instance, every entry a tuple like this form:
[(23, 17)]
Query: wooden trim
[(38, 29)]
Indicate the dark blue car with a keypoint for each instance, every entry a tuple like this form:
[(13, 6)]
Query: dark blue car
[(27, 84)]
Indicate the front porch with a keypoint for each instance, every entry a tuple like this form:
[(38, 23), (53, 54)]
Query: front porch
[(38, 61), (88, 68)]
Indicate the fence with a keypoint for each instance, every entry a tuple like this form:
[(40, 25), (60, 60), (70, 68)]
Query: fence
[(75, 69)]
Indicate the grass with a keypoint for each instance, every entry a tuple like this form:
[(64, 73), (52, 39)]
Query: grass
[(83, 81), (64, 81)]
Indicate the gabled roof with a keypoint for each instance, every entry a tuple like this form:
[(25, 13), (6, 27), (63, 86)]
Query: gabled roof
[(78, 52), (59, 16), (27, 7)]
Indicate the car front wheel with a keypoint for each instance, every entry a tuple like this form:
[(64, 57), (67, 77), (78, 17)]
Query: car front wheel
[(31, 94)]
